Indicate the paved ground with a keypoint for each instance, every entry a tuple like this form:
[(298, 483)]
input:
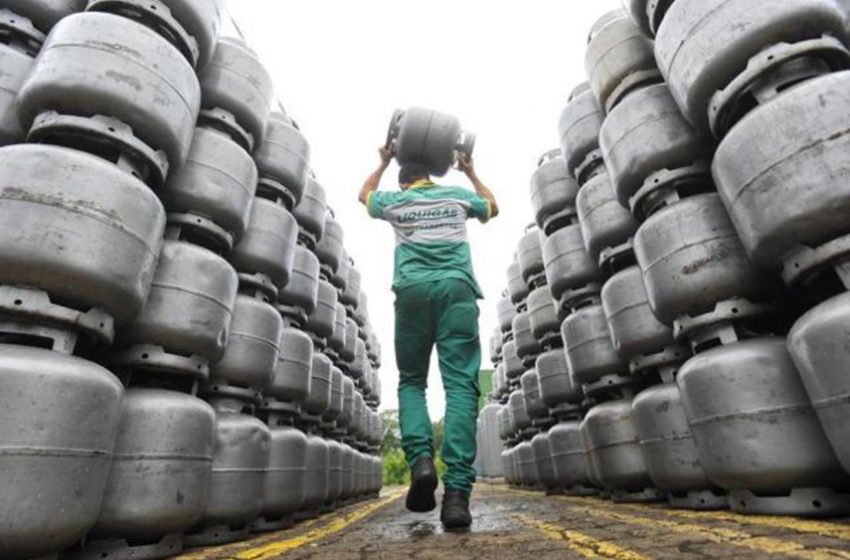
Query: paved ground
[(512, 524)]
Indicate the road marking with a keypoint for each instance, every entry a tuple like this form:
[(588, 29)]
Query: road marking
[(822, 528), (274, 549), (581, 543), (731, 537), (834, 530)]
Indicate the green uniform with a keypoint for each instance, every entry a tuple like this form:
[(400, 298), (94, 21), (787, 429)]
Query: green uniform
[(436, 304)]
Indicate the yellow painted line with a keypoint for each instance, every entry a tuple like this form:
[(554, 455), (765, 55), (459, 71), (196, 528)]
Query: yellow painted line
[(581, 543), (834, 530), (823, 528), (731, 537), (274, 549)]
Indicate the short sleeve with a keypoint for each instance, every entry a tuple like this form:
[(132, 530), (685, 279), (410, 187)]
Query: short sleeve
[(479, 207), (378, 201)]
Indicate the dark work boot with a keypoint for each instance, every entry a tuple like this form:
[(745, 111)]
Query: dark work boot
[(455, 514), (423, 483)]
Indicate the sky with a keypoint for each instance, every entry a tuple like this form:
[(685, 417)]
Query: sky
[(504, 68)]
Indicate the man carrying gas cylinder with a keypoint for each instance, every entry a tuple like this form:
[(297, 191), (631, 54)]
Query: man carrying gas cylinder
[(436, 304)]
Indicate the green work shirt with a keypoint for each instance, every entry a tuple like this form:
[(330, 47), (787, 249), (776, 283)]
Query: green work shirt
[(430, 228)]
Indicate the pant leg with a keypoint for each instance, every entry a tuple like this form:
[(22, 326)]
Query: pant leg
[(459, 349), (414, 341)]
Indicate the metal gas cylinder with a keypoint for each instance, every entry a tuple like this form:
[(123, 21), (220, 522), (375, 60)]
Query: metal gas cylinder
[(347, 472), (267, 250), (87, 247), (568, 457), (534, 406), (318, 470), (302, 290), (513, 365), (786, 193), (312, 211), (591, 356), (291, 381), (330, 248), (553, 189), (520, 419), (44, 14), (530, 256), (237, 92), (605, 223), (495, 346), (517, 287), (192, 26), (591, 460), (349, 350), (359, 416), (253, 346), (334, 410), (75, 77), (526, 464), (579, 131), (672, 458), (158, 486), (507, 312), (492, 442), (646, 133), (757, 432), (691, 259), (544, 462), (286, 474), (614, 445), (429, 138), (569, 266), (321, 375), (818, 350), (556, 387), (323, 320), (351, 295), (337, 340), (340, 277), (283, 158), (358, 366), (635, 331), (542, 313), (712, 66), (619, 58), (214, 189), (527, 346), (240, 461), (348, 389), (58, 462), (504, 421), (334, 471), (16, 64), (187, 315), (638, 10)]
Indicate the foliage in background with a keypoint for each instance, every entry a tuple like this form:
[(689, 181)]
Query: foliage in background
[(485, 384), (396, 471)]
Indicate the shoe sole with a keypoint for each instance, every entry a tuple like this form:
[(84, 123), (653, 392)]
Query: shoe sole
[(420, 497)]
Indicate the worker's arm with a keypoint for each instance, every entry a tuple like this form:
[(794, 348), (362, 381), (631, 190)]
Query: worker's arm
[(374, 180), (467, 166)]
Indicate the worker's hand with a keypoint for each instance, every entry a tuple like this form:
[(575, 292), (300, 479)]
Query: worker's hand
[(386, 153), (466, 165)]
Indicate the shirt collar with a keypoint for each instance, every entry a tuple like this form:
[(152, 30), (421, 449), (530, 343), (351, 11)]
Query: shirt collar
[(421, 184)]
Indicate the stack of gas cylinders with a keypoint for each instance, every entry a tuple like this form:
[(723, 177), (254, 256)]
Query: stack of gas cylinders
[(186, 353), (694, 237)]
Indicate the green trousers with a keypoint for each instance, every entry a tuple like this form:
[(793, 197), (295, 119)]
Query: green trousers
[(444, 313)]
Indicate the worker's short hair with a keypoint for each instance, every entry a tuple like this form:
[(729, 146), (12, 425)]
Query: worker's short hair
[(412, 172)]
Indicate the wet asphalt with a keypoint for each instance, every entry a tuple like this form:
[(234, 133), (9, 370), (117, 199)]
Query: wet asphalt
[(513, 524)]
